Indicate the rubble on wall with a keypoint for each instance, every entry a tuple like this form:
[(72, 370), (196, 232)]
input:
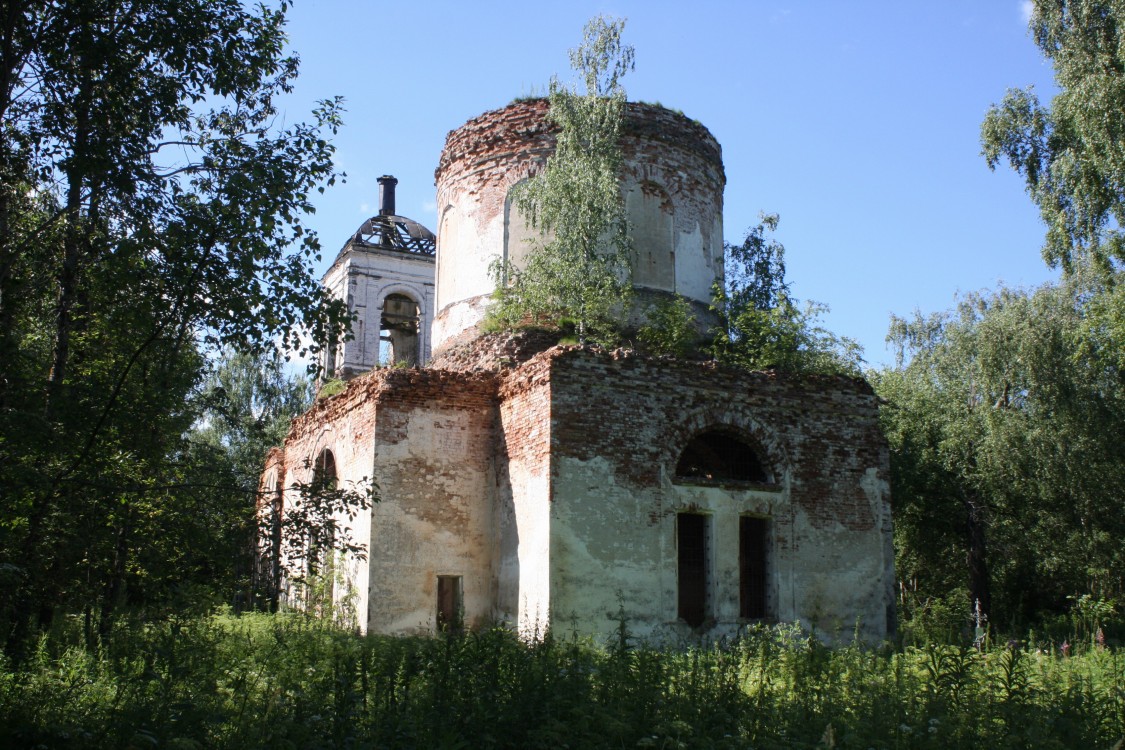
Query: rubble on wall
[(501, 147), (493, 351)]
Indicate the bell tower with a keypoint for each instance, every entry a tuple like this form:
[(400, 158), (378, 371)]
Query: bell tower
[(385, 274)]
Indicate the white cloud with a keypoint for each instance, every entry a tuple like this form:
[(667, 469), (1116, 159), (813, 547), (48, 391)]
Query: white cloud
[(364, 208), (429, 207), (1027, 7)]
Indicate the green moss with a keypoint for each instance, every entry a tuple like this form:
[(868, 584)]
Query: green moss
[(331, 388)]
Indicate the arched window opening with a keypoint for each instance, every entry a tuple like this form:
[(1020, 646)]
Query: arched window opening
[(321, 532), (720, 456), (268, 570), (398, 331), (275, 528), (324, 472)]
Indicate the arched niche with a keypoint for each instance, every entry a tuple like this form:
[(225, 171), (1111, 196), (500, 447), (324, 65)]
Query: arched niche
[(651, 221), (445, 272), (520, 237)]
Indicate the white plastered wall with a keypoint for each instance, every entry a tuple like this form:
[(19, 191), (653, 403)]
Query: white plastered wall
[(363, 278), (434, 519)]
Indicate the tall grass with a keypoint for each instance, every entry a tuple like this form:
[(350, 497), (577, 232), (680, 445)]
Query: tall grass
[(288, 682)]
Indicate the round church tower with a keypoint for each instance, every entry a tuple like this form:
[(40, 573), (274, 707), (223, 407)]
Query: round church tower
[(672, 182)]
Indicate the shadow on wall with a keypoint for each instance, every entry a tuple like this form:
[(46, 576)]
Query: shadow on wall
[(507, 563)]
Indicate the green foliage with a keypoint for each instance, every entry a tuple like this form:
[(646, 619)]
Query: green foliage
[(754, 274), (784, 337), (248, 404), (670, 329), (932, 619), (150, 214), (290, 681), (1004, 420), (1089, 615), (1070, 153), (579, 266), (761, 326)]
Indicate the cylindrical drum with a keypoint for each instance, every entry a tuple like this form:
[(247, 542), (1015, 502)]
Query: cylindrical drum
[(672, 183)]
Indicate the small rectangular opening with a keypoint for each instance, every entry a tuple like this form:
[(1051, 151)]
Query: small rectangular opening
[(450, 607), (753, 538), (691, 544)]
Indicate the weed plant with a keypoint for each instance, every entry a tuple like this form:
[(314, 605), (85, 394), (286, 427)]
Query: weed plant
[(286, 681)]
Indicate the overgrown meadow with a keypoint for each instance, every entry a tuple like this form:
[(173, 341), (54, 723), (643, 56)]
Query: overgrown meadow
[(285, 681)]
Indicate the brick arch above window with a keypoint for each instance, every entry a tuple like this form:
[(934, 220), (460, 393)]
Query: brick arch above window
[(721, 455), (731, 445)]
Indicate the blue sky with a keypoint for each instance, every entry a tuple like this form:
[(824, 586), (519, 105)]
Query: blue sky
[(857, 122)]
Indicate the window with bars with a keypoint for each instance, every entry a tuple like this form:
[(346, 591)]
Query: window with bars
[(753, 540), (692, 551), (720, 456)]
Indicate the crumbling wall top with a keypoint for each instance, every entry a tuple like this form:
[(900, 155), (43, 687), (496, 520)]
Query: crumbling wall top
[(494, 351), (524, 126)]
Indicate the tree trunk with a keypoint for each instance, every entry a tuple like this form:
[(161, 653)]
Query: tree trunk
[(115, 586), (976, 527), (67, 287)]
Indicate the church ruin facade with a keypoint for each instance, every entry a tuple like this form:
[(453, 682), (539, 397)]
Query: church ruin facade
[(566, 487)]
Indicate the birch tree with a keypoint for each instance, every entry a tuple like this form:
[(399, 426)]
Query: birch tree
[(578, 270)]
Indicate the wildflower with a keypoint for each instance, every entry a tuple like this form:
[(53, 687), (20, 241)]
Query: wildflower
[(1065, 648)]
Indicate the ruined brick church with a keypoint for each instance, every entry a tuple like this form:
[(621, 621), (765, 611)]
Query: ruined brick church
[(544, 485)]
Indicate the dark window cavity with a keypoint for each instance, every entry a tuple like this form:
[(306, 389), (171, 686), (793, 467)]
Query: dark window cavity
[(753, 538), (398, 331), (450, 607), (691, 545), (718, 456)]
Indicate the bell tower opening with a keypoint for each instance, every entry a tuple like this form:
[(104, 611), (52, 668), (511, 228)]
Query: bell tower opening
[(398, 331)]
